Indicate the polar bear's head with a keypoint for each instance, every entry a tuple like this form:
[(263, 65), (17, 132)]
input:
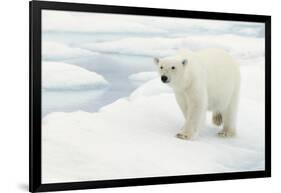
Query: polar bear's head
[(170, 68)]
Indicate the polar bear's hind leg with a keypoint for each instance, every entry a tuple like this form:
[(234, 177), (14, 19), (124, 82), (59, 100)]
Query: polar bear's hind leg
[(217, 118), (227, 132), (229, 118), (229, 126)]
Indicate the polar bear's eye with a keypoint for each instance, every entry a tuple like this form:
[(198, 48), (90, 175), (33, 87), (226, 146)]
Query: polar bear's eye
[(161, 67), (173, 68)]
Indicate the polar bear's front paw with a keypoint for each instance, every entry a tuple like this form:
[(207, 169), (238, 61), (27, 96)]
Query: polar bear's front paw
[(226, 133)]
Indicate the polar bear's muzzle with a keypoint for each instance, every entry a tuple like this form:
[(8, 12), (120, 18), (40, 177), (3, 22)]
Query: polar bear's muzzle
[(164, 79)]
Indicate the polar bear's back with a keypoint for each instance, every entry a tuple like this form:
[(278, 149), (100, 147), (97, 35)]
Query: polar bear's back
[(222, 76), (219, 63)]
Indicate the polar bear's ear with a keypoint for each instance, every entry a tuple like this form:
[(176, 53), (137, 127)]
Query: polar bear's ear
[(184, 62), (156, 60)]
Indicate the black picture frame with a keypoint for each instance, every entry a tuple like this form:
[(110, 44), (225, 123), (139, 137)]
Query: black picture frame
[(35, 184)]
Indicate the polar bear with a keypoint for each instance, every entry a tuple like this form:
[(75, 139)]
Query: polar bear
[(205, 80)]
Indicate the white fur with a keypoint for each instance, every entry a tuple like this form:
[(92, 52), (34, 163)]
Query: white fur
[(207, 80)]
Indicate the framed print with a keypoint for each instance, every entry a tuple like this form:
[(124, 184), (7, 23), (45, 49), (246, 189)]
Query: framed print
[(127, 96)]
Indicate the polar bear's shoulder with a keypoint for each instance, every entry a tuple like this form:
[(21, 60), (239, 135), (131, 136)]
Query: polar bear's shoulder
[(209, 55)]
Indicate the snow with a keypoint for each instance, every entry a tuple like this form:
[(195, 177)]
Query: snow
[(78, 22), (63, 76), (135, 137), (131, 133), (150, 88), (163, 46), (67, 21), (141, 77), (58, 51)]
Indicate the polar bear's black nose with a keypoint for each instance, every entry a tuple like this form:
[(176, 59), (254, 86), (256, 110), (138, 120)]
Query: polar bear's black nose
[(164, 78)]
